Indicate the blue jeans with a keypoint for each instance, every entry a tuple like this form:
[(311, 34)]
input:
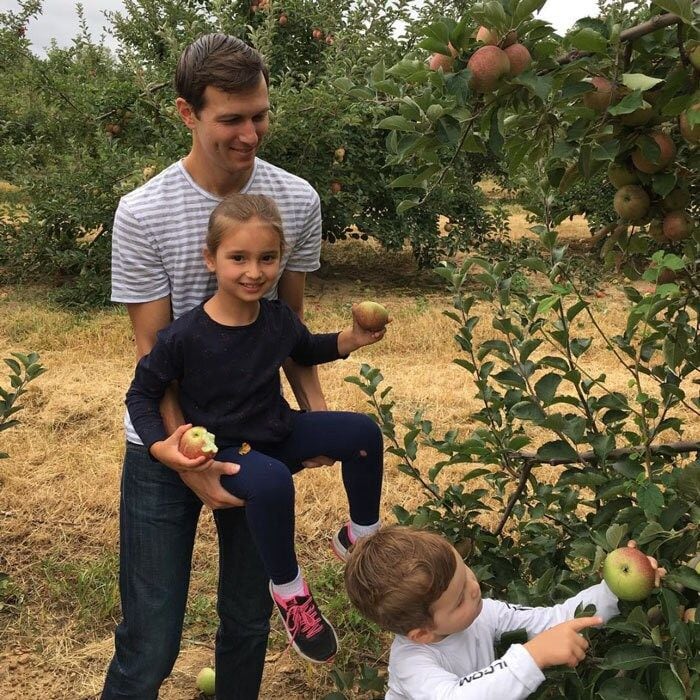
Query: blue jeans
[(265, 479), (158, 521)]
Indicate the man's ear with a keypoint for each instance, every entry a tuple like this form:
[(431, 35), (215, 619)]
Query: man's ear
[(184, 109), (421, 635)]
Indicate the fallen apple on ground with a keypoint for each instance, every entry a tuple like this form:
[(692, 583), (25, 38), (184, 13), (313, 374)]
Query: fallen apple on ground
[(198, 442), (629, 574), (206, 681), (371, 316)]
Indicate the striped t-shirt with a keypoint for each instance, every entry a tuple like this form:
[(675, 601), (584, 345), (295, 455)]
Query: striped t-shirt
[(160, 228)]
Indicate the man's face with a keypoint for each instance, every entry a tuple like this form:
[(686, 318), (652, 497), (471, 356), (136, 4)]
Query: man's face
[(459, 605), (229, 128)]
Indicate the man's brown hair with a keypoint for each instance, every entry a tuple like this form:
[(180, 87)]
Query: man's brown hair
[(220, 60), (396, 575), (239, 208)]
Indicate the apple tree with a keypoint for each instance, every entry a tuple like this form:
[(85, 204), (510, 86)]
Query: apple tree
[(536, 516), (84, 125)]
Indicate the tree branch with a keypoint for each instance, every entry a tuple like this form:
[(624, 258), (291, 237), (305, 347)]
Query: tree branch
[(671, 448)]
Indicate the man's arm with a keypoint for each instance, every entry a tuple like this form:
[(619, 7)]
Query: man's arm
[(147, 319), (303, 380)]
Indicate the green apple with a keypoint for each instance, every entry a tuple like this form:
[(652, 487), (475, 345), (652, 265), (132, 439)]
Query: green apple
[(206, 681), (629, 574)]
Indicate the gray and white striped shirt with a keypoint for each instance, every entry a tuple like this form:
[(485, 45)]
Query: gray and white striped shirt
[(160, 227)]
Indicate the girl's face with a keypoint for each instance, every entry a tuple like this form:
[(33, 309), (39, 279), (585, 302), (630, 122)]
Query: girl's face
[(247, 261)]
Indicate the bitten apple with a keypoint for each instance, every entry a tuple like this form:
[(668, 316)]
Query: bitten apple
[(371, 316), (629, 574), (198, 442)]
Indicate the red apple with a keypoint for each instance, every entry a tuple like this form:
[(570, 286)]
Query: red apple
[(198, 442), (370, 315), (629, 574)]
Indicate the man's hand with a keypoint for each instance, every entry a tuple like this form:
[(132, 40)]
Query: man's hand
[(562, 644), (207, 485)]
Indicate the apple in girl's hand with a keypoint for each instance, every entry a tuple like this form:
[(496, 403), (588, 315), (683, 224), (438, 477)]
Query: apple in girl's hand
[(629, 574), (198, 442), (206, 681), (371, 316)]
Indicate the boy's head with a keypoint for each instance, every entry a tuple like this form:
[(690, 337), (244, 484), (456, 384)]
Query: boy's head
[(412, 582), (221, 61)]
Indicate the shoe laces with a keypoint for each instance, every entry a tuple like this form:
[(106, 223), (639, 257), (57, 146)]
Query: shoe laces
[(304, 618)]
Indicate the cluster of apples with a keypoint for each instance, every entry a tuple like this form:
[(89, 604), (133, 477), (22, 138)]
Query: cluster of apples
[(499, 57), (635, 203)]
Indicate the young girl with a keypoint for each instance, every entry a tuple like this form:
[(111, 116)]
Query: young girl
[(226, 354)]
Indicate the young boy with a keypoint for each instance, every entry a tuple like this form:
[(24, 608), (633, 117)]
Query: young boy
[(414, 583)]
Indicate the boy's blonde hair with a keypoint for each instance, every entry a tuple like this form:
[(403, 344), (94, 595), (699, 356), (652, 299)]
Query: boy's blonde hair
[(396, 575), (239, 208)]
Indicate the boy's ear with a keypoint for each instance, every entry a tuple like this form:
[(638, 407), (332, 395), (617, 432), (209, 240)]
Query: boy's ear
[(421, 635)]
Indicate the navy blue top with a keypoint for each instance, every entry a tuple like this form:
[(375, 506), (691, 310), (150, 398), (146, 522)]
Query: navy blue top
[(228, 376)]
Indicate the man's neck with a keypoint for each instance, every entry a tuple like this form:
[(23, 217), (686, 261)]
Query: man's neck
[(214, 180)]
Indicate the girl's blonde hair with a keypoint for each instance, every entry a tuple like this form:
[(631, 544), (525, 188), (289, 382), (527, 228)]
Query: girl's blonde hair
[(242, 208)]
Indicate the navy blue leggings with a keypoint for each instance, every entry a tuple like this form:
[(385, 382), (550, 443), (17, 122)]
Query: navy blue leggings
[(265, 479)]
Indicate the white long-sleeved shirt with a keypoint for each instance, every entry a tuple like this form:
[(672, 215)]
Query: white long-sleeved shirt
[(463, 666)]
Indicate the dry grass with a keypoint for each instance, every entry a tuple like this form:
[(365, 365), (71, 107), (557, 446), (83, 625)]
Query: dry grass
[(59, 490)]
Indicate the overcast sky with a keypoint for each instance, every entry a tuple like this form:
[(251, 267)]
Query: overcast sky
[(59, 19)]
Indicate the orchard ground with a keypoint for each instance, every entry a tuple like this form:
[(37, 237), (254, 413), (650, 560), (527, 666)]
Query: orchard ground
[(59, 490)]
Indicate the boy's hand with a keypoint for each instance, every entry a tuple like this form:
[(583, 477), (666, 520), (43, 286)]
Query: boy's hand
[(562, 644)]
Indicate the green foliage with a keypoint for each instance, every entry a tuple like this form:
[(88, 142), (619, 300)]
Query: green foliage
[(23, 369), (624, 472), (82, 127)]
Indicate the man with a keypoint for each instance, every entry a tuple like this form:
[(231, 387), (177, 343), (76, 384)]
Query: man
[(159, 273)]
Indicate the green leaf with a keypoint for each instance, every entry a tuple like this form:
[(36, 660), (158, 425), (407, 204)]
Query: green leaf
[(589, 40), (671, 686), (685, 576), (524, 8), (434, 45), (639, 81), (627, 105), (614, 535), (546, 387), (527, 410), (650, 499), (622, 689), (557, 449), (627, 657), (682, 8), (397, 123), (406, 205), (540, 85)]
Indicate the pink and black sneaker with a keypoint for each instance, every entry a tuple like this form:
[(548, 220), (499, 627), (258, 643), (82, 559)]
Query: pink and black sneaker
[(342, 542), (311, 635)]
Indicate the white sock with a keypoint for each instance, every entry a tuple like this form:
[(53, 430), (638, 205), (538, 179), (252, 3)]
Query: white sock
[(357, 531), (291, 589)]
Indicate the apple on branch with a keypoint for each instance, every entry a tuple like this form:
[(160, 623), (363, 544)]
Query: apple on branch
[(630, 574)]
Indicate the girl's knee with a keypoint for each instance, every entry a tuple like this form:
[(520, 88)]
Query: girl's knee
[(275, 481)]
